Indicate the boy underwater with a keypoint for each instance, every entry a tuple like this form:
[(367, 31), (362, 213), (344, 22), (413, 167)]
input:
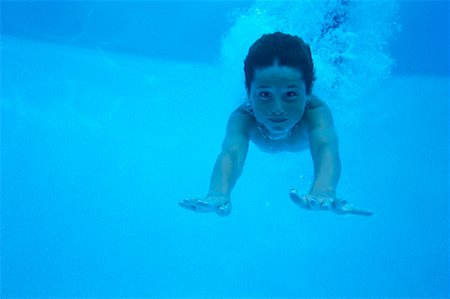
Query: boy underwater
[(280, 114)]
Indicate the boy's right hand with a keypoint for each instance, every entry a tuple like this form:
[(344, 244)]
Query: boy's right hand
[(220, 204)]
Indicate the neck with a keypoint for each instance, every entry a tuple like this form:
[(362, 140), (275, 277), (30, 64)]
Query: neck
[(275, 135)]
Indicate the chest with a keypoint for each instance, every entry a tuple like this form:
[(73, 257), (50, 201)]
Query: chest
[(296, 141)]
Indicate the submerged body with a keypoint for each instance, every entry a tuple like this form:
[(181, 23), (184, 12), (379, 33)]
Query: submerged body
[(281, 114)]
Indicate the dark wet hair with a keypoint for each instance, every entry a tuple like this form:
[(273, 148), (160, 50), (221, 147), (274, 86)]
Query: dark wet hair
[(287, 50)]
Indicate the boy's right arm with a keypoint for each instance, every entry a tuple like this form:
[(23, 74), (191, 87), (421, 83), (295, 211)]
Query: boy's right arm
[(230, 162), (228, 167)]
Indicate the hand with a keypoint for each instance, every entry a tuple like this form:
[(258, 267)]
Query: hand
[(220, 204), (325, 202)]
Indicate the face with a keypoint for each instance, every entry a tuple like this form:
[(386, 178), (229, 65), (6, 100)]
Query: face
[(278, 96)]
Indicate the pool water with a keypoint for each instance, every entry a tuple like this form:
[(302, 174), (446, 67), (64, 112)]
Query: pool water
[(106, 126)]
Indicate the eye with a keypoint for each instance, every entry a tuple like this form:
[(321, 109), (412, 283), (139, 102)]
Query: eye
[(290, 94), (264, 94)]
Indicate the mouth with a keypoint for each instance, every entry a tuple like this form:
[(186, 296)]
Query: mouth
[(278, 120)]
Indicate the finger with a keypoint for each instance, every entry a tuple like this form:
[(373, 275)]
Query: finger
[(188, 201), (297, 199), (327, 204), (197, 205), (342, 207), (351, 210), (187, 205), (338, 205), (224, 210), (203, 206), (313, 203)]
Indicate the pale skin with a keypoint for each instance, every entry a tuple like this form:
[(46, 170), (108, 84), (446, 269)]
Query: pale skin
[(280, 103)]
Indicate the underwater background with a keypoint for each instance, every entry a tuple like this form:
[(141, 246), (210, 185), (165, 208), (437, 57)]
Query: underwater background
[(113, 111)]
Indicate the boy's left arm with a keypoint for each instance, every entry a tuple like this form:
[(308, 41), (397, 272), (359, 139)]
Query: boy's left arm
[(323, 142)]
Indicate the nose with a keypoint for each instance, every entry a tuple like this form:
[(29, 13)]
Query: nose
[(277, 108)]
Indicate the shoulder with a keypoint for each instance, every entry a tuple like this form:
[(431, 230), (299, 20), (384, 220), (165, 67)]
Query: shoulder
[(238, 130), (240, 121), (317, 113), (241, 115)]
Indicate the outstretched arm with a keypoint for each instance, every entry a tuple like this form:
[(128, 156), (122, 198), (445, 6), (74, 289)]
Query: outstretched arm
[(324, 149), (323, 142), (228, 167), (230, 162)]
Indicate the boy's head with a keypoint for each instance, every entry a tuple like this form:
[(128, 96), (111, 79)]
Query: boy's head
[(283, 49)]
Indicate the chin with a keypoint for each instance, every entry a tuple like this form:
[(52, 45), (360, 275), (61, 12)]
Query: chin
[(279, 129)]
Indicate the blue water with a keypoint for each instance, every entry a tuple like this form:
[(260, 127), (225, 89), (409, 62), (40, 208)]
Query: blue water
[(112, 112)]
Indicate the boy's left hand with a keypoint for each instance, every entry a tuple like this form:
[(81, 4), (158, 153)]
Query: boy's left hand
[(325, 202)]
